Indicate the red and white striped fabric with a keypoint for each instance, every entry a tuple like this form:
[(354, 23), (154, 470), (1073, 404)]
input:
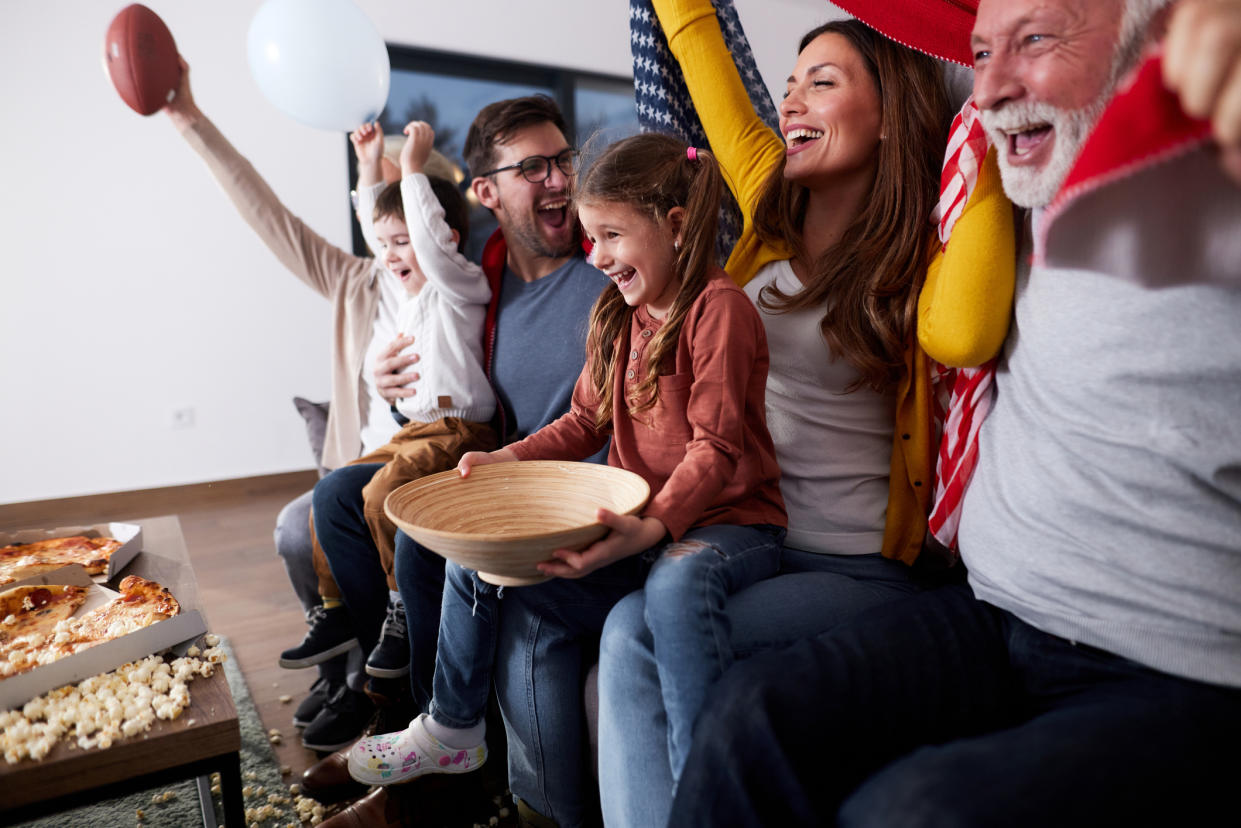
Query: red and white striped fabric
[(962, 396)]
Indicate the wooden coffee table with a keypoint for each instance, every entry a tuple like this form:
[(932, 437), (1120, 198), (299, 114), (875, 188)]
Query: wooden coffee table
[(205, 739)]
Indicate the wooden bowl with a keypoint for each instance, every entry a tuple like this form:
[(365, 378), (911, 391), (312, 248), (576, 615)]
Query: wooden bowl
[(506, 517)]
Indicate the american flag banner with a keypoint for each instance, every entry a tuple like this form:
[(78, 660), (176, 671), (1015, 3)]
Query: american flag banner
[(663, 101)]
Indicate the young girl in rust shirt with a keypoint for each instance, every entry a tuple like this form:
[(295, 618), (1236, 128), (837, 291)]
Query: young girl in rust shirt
[(675, 374)]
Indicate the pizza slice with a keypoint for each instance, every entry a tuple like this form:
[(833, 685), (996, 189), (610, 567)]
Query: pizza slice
[(22, 560), (29, 616), (140, 604)]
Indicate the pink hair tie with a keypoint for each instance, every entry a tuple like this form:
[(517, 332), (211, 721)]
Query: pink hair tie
[(691, 153)]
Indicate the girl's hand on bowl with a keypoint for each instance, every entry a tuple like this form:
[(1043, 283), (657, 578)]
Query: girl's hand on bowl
[(482, 458), (629, 536)]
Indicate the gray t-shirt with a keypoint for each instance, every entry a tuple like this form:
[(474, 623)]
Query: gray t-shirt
[(540, 343), (834, 448), (1106, 505)]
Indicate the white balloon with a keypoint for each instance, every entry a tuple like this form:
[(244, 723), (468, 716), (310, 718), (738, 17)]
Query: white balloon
[(321, 62)]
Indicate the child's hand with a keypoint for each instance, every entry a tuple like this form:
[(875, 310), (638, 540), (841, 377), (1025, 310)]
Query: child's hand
[(482, 458), (417, 147), (368, 144), (629, 536)]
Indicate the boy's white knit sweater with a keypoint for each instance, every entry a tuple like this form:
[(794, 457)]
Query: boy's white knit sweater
[(445, 318)]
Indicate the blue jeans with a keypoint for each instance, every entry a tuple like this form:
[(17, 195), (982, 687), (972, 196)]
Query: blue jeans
[(346, 540), (546, 642), (293, 544), (536, 652), (686, 590), (812, 593), (945, 710), (419, 574)]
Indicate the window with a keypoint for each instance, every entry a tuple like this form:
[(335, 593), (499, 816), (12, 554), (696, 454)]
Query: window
[(447, 91)]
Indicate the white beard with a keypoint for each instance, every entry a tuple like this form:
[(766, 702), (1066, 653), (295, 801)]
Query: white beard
[(1037, 186)]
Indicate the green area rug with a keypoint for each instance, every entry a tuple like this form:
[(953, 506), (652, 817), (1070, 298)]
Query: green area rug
[(182, 809)]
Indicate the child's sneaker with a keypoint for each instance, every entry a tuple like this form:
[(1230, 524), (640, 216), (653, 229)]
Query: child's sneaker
[(330, 634), (407, 754)]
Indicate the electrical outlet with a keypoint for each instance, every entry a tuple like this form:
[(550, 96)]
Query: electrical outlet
[(183, 417)]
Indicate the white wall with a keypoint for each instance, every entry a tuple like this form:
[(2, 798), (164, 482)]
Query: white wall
[(130, 289)]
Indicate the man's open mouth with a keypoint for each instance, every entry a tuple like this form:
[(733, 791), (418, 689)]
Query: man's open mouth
[(554, 213), (1025, 140)]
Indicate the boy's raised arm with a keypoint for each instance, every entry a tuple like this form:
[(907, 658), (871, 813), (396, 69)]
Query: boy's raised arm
[(433, 241)]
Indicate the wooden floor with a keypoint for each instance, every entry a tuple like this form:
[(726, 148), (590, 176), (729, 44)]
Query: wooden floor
[(245, 591)]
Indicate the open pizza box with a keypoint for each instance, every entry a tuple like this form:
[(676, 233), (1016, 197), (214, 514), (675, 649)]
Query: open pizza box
[(129, 534), (176, 633)]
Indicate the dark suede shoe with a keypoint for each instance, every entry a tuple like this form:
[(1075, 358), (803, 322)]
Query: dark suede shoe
[(390, 658), (340, 722), (330, 634), (310, 706)]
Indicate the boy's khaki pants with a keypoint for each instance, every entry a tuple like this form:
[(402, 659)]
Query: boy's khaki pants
[(415, 451)]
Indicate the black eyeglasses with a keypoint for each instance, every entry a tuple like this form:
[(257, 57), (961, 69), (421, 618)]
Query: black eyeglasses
[(537, 168)]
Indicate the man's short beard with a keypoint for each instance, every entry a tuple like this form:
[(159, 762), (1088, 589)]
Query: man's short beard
[(1028, 187), (528, 234), (1031, 186)]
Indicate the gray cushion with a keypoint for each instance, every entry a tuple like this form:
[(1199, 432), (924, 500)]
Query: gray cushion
[(315, 415)]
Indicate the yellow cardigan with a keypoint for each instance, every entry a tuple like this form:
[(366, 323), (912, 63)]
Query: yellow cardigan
[(968, 297)]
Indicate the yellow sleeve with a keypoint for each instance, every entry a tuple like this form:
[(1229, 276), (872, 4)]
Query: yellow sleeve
[(967, 300), (746, 148)]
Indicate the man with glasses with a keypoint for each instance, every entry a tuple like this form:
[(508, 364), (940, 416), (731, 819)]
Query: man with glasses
[(534, 341)]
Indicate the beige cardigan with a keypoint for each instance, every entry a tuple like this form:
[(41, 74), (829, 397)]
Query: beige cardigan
[(348, 281)]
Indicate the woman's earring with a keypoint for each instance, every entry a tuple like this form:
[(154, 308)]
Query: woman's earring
[(676, 244)]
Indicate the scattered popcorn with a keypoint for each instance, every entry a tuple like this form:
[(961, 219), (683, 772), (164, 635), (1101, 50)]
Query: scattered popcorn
[(193, 651), (102, 709), (285, 699), (212, 640), (285, 770), (493, 821)]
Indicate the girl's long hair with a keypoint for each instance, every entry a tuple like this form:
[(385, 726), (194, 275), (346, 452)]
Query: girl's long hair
[(653, 174), (868, 282)]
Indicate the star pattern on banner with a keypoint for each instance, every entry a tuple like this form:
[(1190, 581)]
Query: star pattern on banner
[(663, 102)]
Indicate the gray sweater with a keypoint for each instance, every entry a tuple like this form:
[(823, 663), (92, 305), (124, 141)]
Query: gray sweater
[(1106, 505)]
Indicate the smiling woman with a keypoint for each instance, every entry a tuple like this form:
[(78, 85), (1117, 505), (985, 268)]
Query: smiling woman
[(835, 248)]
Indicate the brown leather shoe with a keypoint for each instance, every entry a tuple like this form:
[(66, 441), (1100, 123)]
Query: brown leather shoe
[(375, 810), (328, 780)]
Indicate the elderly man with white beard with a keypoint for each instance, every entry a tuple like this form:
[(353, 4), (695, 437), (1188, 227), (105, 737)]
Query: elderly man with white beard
[(1089, 671)]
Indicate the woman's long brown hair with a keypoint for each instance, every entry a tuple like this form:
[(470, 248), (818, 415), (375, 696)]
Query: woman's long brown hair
[(868, 282), (653, 174)]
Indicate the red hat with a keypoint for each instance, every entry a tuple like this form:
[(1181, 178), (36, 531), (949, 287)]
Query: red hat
[(940, 28)]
